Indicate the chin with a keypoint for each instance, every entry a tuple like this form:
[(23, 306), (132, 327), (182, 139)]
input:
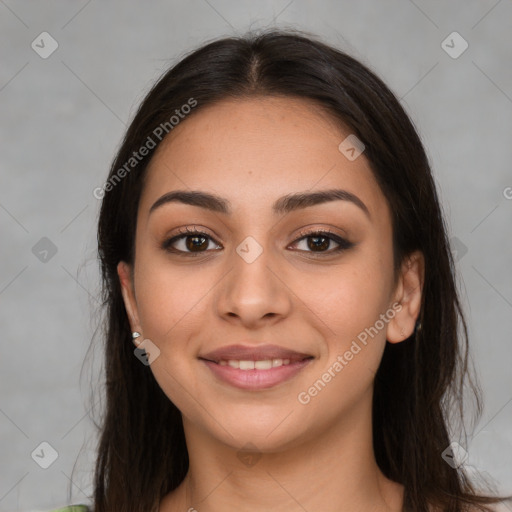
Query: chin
[(268, 429)]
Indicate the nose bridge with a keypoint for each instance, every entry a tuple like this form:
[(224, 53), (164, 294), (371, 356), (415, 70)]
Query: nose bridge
[(251, 290)]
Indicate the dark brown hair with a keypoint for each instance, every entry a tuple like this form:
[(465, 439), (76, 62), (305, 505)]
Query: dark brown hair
[(142, 454)]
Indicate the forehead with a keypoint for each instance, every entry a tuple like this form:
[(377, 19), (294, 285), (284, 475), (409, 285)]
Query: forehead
[(254, 150)]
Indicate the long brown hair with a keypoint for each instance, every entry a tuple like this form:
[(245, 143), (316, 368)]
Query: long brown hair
[(142, 454)]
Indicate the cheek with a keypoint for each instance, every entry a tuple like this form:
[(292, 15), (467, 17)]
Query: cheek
[(351, 296), (171, 302), (347, 311), (169, 296)]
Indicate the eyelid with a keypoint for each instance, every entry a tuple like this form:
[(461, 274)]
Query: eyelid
[(194, 230), (343, 243), (314, 231), (181, 233)]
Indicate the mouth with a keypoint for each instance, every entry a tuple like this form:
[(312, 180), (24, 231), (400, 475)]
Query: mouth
[(255, 367), (245, 353)]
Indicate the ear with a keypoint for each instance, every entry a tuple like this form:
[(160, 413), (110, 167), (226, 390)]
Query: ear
[(125, 273), (408, 295)]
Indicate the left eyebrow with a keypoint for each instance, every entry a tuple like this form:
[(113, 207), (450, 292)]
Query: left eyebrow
[(282, 205)]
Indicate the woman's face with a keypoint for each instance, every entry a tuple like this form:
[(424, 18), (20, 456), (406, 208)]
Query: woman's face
[(258, 285)]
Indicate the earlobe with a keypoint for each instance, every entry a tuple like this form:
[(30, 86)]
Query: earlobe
[(408, 294), (124, 271)]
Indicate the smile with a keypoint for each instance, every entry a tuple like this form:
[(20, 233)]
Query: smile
[(256, 374), (265, 364)]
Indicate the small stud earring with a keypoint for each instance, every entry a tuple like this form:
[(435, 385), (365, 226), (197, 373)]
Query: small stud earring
[(136, 335)]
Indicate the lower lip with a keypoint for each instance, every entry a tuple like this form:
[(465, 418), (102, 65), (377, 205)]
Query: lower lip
[(256, 379)]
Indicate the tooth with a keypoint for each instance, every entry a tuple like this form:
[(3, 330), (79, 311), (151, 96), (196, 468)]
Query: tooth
[(263, 365)]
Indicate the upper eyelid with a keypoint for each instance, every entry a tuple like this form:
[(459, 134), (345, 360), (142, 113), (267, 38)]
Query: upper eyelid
[(303, 234), (309, 232)]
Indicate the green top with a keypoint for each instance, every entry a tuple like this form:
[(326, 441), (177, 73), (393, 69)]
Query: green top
[(73, 508)]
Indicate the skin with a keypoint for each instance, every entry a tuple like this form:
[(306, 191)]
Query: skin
[(316, 456)]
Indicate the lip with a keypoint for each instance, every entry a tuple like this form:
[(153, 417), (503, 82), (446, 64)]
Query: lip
[(246, 353), (255, 379)]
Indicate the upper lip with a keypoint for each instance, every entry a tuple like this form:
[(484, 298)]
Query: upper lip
[(259, 353)]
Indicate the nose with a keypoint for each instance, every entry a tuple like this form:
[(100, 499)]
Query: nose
[(253, 293)]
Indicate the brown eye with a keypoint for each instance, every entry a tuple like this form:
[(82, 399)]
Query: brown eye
[(196, 243), (189, 242), (320, 241)]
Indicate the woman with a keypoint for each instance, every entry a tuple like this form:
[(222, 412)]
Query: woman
[(283, 329)]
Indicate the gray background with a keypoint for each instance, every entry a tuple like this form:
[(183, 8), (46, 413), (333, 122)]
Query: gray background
[(62, 119)]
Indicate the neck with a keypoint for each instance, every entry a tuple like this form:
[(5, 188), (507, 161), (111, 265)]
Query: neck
[(334, 470)]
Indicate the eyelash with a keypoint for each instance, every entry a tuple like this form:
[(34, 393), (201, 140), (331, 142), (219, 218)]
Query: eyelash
[(343, 244)]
